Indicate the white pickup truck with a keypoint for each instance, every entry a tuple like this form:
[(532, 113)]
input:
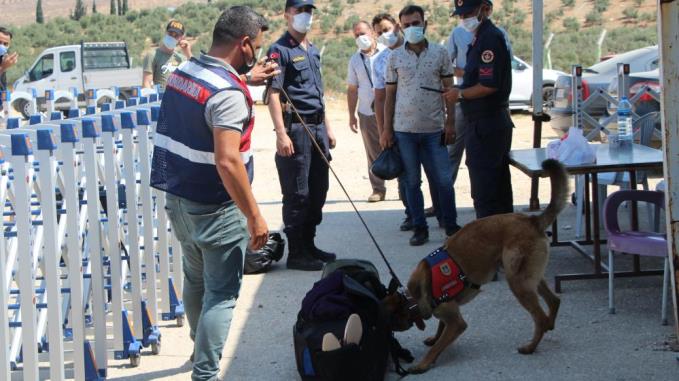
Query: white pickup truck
[(93, 65)]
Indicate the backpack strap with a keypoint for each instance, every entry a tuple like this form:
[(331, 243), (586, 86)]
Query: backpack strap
[(399, 353)]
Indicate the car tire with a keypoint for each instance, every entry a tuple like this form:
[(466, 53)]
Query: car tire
[(547, 96), (23, 106)]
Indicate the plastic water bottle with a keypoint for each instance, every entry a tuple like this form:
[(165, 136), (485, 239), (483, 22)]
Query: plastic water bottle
[(624, 123)]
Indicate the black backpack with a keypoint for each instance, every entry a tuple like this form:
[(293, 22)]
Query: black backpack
[(360, 292), (260, 261)]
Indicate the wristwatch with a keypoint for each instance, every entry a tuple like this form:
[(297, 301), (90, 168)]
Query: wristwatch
[(248, 77)]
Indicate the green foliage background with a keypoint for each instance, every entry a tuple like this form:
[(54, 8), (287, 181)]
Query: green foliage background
[(144, 29)]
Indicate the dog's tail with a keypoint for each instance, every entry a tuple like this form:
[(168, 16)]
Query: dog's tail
[(559, 180)]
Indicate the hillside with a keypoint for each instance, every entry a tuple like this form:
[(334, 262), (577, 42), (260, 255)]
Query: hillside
[(576, 23)]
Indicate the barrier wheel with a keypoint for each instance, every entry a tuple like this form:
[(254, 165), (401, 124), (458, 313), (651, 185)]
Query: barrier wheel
[(155, 348), (135, 360), (180, 321)]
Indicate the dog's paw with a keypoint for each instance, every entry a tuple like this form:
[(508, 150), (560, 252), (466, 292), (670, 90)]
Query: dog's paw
[(419, 369), (430, 341), (526, 349)]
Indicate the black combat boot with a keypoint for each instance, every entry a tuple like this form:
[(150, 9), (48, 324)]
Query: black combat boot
[(310, 246), (298, 257)]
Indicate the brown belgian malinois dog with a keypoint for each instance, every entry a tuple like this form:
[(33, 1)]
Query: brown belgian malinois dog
[(516, 241)]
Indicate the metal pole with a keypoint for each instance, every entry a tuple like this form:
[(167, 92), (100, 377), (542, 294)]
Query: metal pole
[(599, 43), (548, 50), (538, 116), (668, 30)]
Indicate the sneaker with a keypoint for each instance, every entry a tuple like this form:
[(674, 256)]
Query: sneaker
[(452, 230), (429, 212), (420, 236), (353, 330), (376, 197), (330, 343), (406, 225)]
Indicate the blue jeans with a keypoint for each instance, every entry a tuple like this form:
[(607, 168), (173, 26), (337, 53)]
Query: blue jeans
[(425, 150), (213, 239)]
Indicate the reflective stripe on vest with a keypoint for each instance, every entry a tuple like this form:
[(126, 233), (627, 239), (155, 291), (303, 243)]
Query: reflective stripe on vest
[(183, 158)]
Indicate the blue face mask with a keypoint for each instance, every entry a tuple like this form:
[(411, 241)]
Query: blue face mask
[(414, 34), (3, 50)]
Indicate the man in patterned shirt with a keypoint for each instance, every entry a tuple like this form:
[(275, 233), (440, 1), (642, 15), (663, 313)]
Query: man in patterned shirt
[(416, 117)]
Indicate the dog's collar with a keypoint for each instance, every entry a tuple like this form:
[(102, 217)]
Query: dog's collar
[(414, 314)]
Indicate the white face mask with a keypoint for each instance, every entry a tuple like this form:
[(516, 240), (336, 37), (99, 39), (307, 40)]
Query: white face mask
[(169, 42), (388, 39), (301, 22), (364, 42), (471, 23)]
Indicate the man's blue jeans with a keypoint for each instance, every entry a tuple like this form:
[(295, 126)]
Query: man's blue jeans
[(425, 150), (214, 239)]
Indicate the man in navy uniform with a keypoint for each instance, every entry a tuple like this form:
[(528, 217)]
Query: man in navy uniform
[(302, 172), (484, 97)]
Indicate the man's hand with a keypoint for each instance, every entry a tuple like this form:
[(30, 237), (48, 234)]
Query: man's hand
[(450, 133), (262, 71), (331, 137), (353, 123), (259, 232), (451, 95), (284, 145), (9, 61), (185, 47), (386, 139)]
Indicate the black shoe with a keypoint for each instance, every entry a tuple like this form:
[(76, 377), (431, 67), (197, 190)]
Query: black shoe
[(420, 237), (304, 262), (429, 212), (452, 230), (322, 255), (406, 225)]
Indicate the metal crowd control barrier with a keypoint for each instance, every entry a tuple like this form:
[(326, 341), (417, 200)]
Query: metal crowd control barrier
[(87, 261)]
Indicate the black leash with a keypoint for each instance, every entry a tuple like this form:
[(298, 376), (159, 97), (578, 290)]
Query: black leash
[(360, 217)]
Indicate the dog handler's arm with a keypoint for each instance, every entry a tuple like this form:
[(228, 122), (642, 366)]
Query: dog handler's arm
[(235, 179), (284, 145)]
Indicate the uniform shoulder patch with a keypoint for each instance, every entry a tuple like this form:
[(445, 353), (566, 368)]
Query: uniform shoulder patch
[(275, 56), (487, 56), (460, 3), (298, 59)]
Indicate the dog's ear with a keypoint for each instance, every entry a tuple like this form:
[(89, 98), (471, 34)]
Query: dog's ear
[(393, 286)]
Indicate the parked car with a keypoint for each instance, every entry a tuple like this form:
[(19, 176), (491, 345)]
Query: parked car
[(596, 77), (85, 66), (521, 97)]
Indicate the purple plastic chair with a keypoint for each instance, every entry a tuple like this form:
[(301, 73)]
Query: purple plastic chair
[(651, 244)]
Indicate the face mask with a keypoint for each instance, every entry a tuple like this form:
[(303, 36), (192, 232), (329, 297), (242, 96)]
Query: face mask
[(301, 22), (471, 23), (3, 50), (247, 66), (364, 42), (388, 39), (414, 34), (169, 42)]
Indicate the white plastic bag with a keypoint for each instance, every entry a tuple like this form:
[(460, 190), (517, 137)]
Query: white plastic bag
[(574, 150)]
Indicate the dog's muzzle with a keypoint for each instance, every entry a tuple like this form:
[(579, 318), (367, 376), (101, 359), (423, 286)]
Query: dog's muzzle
[(413, 309)]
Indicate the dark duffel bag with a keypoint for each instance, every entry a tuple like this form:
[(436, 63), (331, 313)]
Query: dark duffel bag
[(388, 164), (348, 286), (260, 261)]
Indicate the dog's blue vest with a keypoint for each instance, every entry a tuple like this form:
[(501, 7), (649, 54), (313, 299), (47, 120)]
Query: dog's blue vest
[(183, 157)]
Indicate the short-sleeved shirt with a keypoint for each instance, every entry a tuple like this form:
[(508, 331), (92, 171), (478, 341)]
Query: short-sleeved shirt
[(488, 63), (458, 43), (360, 73), (418, 110), (161, 64), (380, 68), (300, 74), (225, 109)]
